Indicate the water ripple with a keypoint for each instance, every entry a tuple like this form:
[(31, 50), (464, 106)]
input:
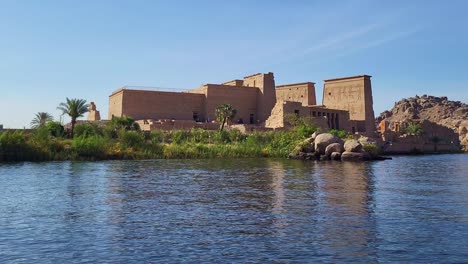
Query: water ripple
[(410, 209)]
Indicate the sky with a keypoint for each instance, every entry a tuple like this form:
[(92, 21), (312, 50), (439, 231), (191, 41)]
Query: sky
[(50, 50)]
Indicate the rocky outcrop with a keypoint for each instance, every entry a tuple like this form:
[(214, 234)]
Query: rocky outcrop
[(326, 146), (334, 147), (439, 110), (352, 145), (355, 156), (323, 140), (335, 156)]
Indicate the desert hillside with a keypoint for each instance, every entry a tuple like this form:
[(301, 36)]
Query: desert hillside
[(440, 110)]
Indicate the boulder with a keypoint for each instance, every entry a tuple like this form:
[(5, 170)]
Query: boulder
[(335, 156), (323, 140), (352, 145), (355, 156), (314, 135), (334, 147), (367, 141)]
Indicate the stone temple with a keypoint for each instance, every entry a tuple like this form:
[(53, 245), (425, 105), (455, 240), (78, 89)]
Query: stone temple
[(347, 104)]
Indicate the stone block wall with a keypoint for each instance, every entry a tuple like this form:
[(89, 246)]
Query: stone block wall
[(140, 104), (352, 94), (242, 98), (266, 96), (322, 117), (298, 92)]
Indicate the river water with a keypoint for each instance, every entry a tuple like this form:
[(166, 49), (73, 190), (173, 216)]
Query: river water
[(409, 209)]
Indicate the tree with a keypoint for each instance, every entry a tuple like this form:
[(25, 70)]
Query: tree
[(414, 129), (74, 108), (124, 122), (305, 126), (224, 113), (40, 120)]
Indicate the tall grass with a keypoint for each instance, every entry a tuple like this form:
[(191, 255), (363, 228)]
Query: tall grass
[(14, 146), (91, 147), (98, 143)]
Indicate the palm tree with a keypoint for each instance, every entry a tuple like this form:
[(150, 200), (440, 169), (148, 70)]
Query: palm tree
[(40, 120), (414, 129), (74, 108), (224, 113)]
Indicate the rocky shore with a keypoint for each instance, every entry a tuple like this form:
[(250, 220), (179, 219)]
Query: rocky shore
[(326, 146)]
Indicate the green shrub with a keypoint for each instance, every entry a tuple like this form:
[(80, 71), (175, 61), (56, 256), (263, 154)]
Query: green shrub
[(131, 139), (14, 146), (305, 131), (87, 130), (283, 143), (221, 137), (109, 132), (372, 149), (124, 122), (12, 140), (341, 133), (41, 136), (235, 135), (94, 147), (156, 136), (55, 129), (259, 138), (199, 135), (180, 136), (304, 126)]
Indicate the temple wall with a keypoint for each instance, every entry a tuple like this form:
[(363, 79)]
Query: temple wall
[(323, 117), (353, 94), (140, 104), (255, 98), (115, 104), (244, 99), (299, 92), (266, 96)]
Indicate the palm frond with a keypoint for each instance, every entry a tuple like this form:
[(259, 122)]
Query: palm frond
[(40, 119)]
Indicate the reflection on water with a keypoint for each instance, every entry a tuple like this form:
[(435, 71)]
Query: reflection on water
[(410, 209)]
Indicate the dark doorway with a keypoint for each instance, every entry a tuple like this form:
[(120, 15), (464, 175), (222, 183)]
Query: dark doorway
[(252, 119)]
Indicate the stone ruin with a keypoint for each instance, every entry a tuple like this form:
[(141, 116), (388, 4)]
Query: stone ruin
[(93, 114)]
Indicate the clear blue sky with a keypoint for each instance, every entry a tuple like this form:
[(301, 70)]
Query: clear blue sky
[(50, 50)]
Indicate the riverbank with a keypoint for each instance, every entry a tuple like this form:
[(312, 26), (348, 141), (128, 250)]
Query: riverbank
[(90, 143), (111, 142)]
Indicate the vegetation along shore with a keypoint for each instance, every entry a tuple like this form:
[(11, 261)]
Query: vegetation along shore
[(121, 138)]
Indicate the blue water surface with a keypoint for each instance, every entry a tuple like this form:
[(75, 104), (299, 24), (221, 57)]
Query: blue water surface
[(409, 209)]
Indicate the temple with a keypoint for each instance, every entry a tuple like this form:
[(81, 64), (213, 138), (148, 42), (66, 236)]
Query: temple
[(347, 103)]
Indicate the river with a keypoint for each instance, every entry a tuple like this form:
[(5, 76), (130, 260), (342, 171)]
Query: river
[(409, 209)]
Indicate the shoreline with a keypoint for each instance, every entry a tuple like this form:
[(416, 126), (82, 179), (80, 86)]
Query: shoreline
[(93, 159)]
